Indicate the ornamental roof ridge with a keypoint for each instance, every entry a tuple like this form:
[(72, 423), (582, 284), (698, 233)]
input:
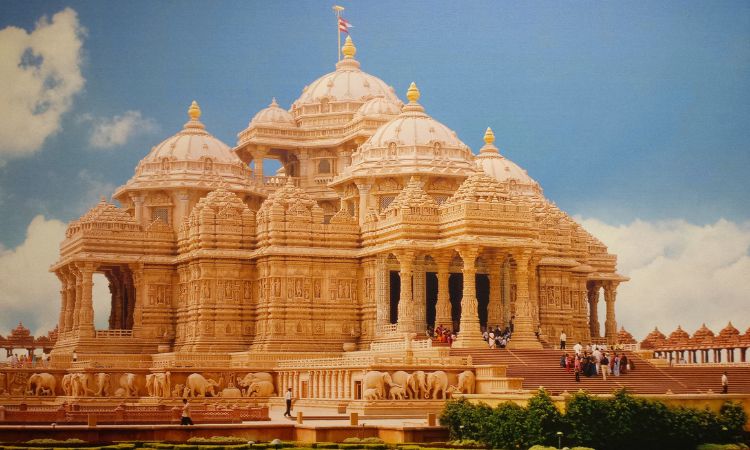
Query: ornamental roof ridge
[(288, 194), (413, 195), (479, 187), (107, 212)]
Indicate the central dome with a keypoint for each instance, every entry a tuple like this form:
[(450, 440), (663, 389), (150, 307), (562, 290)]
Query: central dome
[(347, 83)]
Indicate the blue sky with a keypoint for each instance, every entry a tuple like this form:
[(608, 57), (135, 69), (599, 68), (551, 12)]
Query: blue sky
[(623, 111)]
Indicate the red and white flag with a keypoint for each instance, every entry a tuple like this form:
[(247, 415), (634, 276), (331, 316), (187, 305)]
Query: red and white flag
[(344, 25)]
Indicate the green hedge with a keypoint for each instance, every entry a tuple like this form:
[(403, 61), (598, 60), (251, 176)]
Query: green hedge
[(622, 422)]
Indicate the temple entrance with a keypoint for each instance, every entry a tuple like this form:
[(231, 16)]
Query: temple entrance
[(431, 292), (122, 297), (456, 289), (101, 299), (395, 294), (483, 297)]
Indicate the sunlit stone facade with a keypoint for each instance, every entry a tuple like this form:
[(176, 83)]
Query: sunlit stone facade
[(381, 223)]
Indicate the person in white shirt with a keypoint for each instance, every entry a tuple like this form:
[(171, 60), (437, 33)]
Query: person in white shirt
[(563, 338), (724, 383), (578, 348), (288, 399)]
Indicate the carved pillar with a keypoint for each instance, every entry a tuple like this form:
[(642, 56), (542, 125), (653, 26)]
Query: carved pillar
[(420, 297), (340, 384), (592, 293), (63, 299), (406, 301), (313, 384), (139, 288), (610, 324), (506, 310), (181, 210), (470, 335), (443, 306), (305, 174), (382, 292), (494, 306), (364, 193), (348, 384), (70, 303), (78, 292), (86, 311), (258, 154), (523, 327), (138, 208)]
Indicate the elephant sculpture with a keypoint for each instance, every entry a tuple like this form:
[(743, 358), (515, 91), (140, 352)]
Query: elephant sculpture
[(370, 394), (39, 382), (199, 386), (79, 383), (162, 384), (150, 384), (66, 384), (416, 386), (250, 378), (377, 380), (178, 390), (403, 379), (128, 385), (466, 382), (397, 392), (437, 384), (261, 389), (101, 381)]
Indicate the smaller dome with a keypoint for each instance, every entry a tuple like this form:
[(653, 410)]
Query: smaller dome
[(624, 337), (273, 115), (500, 168), (379, 106), (729, 331), (703, 333), (193, 142), (653, 339), (678, 335)]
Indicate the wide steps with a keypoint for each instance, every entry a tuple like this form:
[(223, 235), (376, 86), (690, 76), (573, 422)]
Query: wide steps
[(542, 368)]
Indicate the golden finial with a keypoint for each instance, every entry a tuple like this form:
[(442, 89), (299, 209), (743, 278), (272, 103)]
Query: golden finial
[(349, 50), (489, 136), (194, 111), (413, 93)]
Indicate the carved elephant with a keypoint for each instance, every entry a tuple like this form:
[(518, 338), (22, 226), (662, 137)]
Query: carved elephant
[(178, 390), (252, 377), (402, 378), (370, 394), (79, 383), (102, 381), (199, 386), (437, 384), (128, 385), (378, 381), (150, 384), (261, 389), (38, 382), (66, 384), (416, 386), (466, 382), (162, 384), (397, 392)]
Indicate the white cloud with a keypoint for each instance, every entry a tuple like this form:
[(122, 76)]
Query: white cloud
[(681, 274), (40, 73), (30, 293), (94, 188), (114, 132)]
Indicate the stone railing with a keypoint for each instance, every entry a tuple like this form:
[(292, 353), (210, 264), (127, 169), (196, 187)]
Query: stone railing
[(177, 360), (113, 361), (328, 363), (278, 181), (323, 180), (401, 345), (104, 334), (386, 329), (124, 414)]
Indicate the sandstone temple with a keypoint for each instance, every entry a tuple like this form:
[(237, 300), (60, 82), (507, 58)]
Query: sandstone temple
[(380, 225)]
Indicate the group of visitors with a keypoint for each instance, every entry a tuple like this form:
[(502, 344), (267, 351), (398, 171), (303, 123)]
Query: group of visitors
[(594, 360), (496, 337), (442, 334), (27, 361)]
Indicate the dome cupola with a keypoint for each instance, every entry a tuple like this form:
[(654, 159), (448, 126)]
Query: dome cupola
[(502, 169), (273, 115)]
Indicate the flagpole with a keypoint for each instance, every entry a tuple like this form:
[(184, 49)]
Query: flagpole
[(337, 10)]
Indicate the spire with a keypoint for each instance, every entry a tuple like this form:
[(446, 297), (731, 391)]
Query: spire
[(273, 103), (413, 93), (489, 147), (194, 111), (489, 136), (349, 50)]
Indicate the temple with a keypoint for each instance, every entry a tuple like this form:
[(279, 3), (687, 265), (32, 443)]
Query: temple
[(380, 222)]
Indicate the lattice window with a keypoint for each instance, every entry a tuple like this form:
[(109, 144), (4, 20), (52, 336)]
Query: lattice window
[(324, 166), (385, 201), (440, 199), (160, 213)]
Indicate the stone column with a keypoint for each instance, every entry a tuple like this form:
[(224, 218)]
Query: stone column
[(296, 390), (506, 293), (86, 311), (364, 194), (470, 335), (523, 329), (443, 306), (340, 383), (77, 303), (63, 299), (313, 384), (181, 211), (138, 207), (258, 154), (494, 306), (348, 384), (420, 297), (70, 304), (406, 301), (592, 293), (382, 292), (305, 174), (610, 324)]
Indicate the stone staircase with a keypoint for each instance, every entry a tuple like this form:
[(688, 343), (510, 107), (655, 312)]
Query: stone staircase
[(542, 368)]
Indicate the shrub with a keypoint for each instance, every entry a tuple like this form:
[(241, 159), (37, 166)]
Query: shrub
[(543, 419)]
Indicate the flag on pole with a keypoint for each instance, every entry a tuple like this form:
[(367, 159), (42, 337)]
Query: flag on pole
[(344, 25)]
